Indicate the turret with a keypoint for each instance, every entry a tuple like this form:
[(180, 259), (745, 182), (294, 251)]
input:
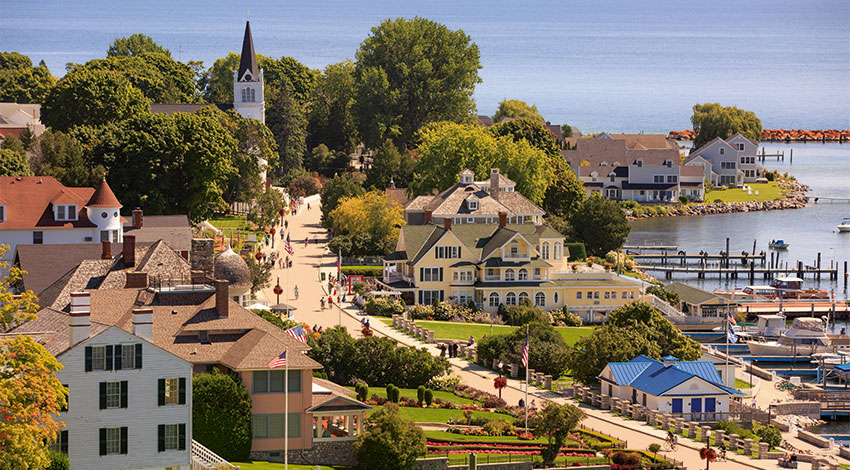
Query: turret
[(103, 210)]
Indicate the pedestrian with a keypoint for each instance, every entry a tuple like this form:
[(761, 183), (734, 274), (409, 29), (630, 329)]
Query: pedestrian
[(323, 303), (471, 341), (533, 404), (285, 225), (521, 403), (442, 348), (306, 239), (330, 301), (320, 330), (296, 292), (363, 321), (308, 206), (368, 325), (290, 264)]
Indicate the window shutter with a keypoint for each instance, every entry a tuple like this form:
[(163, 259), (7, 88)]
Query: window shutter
[(139, 356), (441, 292), (108, 357), (160, 437), (182, 391), (102, 440), (421, 274), (118, 356), (123, 394), (441, 274), (124, 440), (103, 395), (420, 296), (181, 436), (63, 442), (88, 359), (161, 393)]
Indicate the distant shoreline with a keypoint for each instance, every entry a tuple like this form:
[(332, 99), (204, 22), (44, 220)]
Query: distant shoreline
[(782, 135)]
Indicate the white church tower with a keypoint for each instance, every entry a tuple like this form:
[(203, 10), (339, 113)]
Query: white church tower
[(248, 99)]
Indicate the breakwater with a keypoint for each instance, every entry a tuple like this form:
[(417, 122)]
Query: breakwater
[(782, 135)]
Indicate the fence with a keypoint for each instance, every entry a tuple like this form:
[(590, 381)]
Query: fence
[(463, 459)]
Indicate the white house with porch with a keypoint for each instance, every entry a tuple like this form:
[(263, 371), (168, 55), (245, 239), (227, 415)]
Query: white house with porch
[(692, 389)]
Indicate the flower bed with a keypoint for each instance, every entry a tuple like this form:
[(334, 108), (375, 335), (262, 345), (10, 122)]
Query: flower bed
[(510, 452), (500, 446)]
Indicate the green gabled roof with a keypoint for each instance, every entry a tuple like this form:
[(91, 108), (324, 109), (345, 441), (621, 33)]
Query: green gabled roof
[(693, 295), (419, 238)]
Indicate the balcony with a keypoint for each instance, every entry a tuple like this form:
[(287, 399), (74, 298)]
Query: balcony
[(519, 255), (390, 277)]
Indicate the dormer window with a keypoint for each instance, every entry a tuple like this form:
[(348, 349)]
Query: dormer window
[(740, 147), (668, 163), (473, 204), (65, 212), (204, 336), (639, 162)]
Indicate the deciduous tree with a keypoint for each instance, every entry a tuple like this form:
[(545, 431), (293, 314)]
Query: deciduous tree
[(331, 121), (13, 163), (516, 109), (409, 73), (389, 442), (555, 422), (20, 82), (136, 44), (533, 131), (92, 98), (389, 164), (221, 415), (600, 224), (285, 73), (59, 155), (159, 77), (335, 189), (565, 194), (373, 214), (446, 148), (712, 120), (547, 353)]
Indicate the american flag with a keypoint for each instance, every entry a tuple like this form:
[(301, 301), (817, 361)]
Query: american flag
[(297, 333), (731, 319), (279, 361), (525, 352), (288, 246)]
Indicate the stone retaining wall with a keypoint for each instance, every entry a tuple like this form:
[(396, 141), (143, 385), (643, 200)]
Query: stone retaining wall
[(438, 463), (814, 439), (322, 453)]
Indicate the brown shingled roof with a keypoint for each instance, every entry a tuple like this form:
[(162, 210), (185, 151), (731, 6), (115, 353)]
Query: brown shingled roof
[(104, 197), (29, 202)]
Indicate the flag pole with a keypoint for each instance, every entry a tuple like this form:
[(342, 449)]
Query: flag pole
[(727, 350), (526, 379), (286, 415)]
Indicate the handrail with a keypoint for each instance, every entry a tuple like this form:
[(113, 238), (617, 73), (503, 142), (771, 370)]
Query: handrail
[(203, 458)]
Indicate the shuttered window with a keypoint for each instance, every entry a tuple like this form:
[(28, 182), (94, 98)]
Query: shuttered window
[(113, 394), (171, 391), (171, 437), (113, 440)]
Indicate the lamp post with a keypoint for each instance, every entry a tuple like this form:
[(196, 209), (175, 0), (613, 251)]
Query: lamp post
[(278, 290), (769, 408), (272, 231), (501, 366)]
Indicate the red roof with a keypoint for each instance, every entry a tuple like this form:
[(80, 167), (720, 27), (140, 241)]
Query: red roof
[(104, 197), (29, 199)]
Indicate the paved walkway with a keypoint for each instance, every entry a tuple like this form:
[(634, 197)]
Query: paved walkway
[(309, 261)]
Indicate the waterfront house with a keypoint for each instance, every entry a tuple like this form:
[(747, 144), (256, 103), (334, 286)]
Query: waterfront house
[(474, 202), (706, 306), (15, 118), (692, 389), (494, 264), (730, 162), (129, 400)]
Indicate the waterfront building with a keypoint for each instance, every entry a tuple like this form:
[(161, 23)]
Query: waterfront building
[(638, 167), (703, 307), (474, 202), (129, 400), (495, 264), (691, 389), (730, 162)]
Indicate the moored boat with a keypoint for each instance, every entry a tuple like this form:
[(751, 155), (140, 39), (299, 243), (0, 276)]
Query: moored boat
[(778, 245), (844, 226), (806, 337)]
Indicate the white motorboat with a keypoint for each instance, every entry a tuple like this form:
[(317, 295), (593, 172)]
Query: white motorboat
[(806, 336), (844, 226)]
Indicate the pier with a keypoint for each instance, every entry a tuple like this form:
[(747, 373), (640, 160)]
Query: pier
[(816, 199), (682, 258), (733, 272)]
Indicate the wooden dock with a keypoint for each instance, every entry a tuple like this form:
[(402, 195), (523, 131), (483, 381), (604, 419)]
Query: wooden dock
[(734, 272), (641, 248), (796, 308), (816, 199), (682, 258)]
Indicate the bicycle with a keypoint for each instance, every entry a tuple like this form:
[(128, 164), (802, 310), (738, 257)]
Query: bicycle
[(670, 445), (784, 385)]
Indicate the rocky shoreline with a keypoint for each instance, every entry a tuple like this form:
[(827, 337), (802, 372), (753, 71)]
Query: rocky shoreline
[(795, 198)]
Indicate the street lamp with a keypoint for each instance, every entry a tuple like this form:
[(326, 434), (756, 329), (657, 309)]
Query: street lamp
[(272, 232), (769, 407), (500, 383)]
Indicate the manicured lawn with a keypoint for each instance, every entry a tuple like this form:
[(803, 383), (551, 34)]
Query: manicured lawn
[(411, 393), (766, 192), (452, 437), (441, 415), (741, 384), (229, 221), (259, 465), (461, 331)]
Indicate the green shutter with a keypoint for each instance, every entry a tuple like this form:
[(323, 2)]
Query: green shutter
[(420, 297), (139, 356), (160, 437), (181, 436), (118, 349), (124, 440), (182, 389), (441, 274), (421, 274), (103, 395), (63, 441), (88, 359), (108, 357), (161, 392), (123, 394), (102, 440), (441, 292)]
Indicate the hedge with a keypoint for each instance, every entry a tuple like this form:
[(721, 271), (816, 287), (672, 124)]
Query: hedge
[(373, 271), (577, 251)]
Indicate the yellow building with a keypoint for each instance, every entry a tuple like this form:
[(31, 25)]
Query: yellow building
[(494, 264)]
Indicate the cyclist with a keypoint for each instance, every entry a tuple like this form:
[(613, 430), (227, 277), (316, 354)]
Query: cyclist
[(671, 440), (722, 447)]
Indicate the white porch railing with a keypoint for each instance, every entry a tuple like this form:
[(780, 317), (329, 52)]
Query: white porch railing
[(395, 276), (668, 310), (205, 459)]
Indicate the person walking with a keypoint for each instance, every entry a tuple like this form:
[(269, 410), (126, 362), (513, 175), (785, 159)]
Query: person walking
[(323, 303), (296, 292)]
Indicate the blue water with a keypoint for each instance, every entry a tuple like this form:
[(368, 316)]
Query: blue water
[(599, 65)]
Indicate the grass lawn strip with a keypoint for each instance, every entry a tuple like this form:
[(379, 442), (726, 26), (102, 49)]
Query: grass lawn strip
[(411, 393), (462, 331), (441, 415), (741, 385), (766, 192)]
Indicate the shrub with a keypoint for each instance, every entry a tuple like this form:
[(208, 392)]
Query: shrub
[(447, 311), (629, 459), (389, 442), (396, 394), (422, 312), (548, 353), (445, 383), (683, 199), (420, 394), (769, 434), (362, 391), (731, 427), (499, 427), (429, 396), (371, 271), (221, 415), (663, 294), (386, 306), (359, 288), (518, 315), (58, 461), (576, 250)]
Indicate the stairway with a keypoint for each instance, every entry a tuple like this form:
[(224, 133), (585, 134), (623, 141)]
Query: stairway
[(205, 459)]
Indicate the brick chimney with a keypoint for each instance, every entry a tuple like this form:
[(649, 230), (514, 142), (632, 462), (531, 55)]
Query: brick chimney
[(128, 252), (143, 323), (106, 253), (447, 223), (80, 324), (136, 280), (222, 305), (494, 183), (503, 219), (427, 216), (137, 218)]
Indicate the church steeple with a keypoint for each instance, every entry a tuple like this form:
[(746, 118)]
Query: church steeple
[(248, 70)]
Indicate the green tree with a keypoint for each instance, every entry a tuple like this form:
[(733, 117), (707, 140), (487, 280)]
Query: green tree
[(261, 274), (446, 148), (555, 422), (389, 164), (565, 194), (14, 309), (266, 208), (537, 135), (658, 330), (59, 155), (547, 352), (389, 442), (134, 45), (285, 118), (159, 77), (516, 109), (285, 73), (13, 163), (600, 224), (221, 415), (319, 159), (331, 121), (712, 120), (93, 98), (372, 214), (567, 130), (410, 73), (334, 190), (20, 82)]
